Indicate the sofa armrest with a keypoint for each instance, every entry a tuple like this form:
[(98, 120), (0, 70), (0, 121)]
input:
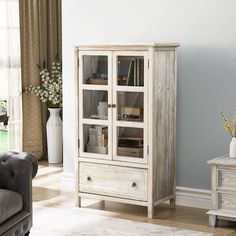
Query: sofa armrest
[(16, 173)]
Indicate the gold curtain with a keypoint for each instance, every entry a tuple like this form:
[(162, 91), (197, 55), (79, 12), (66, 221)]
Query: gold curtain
[(40, 34)]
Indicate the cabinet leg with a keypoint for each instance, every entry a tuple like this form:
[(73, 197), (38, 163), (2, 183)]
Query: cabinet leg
[(150, 212), (79, 202), (172, 203), (213, 220)]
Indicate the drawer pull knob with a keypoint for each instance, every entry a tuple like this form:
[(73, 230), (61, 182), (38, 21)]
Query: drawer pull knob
[(89, 178), (109, 105), (113, 105), (134, 184)]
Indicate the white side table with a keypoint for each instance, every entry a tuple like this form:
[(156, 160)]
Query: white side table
[(223, 187)]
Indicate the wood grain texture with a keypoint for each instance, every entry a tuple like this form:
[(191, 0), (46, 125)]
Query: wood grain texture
[(150, 108), (113, 181), (227, 201), (214, 181), (114, 162), (164, 120), (76, 87), (227, 179)]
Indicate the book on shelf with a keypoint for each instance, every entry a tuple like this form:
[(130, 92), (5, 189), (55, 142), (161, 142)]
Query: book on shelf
[(135, 73), (130, 77), (138, 72)]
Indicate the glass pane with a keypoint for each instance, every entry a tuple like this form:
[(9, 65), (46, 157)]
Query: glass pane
[(95, 139), (95, 69), (130, 71), (130, 142), (95, 104), (130, 106)]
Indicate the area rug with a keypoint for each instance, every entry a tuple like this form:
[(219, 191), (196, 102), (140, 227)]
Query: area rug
[(50, 221)]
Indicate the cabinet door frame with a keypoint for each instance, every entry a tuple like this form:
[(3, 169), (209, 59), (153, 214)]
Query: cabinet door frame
[(129, 124), (85, 121)]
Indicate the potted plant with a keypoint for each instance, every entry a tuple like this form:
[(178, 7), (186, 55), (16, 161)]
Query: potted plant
[(230, 127), (50, 92)]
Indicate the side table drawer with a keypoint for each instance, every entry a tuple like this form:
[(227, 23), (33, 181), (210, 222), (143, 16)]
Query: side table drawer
[(114, 181), (227, 201), (227, 179)]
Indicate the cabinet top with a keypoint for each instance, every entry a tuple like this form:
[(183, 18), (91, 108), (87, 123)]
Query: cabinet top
[(223, 161), (126, 46)]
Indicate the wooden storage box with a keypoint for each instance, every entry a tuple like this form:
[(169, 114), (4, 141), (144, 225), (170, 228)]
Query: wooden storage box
[(130, 152), (97, 81)]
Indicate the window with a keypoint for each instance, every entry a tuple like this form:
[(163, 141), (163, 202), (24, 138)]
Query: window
[(10, 77)]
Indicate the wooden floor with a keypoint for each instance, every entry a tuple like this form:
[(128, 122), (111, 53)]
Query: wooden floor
[(48, 191)]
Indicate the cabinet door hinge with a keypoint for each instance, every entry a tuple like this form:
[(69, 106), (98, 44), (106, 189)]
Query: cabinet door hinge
[(78, 62), (148, 63), (148, 149), (78, 143)]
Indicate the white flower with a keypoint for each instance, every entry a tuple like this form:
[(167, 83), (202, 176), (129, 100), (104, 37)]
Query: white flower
[(51, 89)]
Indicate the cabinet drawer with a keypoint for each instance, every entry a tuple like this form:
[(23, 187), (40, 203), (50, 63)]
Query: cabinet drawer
[(227, 179), (227, 201), (115, 181)]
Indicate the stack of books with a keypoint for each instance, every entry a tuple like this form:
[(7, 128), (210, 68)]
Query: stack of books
[(130, 146)]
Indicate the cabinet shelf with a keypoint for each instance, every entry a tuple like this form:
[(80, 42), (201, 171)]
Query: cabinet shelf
[(94, 87), (130, 89), (95, 122), (132, 124)]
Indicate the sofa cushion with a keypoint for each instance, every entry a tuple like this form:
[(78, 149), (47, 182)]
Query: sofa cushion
[(10, 204)]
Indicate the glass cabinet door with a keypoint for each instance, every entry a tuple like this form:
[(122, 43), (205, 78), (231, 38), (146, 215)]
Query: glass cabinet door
[(129, 106), (95, 97)]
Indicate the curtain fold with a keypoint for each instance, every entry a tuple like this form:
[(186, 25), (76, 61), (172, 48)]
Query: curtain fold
[(40, 34)]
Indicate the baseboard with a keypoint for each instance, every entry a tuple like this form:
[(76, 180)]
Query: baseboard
[(190, 197), (193, 197)]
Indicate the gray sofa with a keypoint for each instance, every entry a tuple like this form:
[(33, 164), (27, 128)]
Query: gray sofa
[(16, 173)]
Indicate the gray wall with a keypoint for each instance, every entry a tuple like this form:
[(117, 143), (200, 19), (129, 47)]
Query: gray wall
[(206, 68)]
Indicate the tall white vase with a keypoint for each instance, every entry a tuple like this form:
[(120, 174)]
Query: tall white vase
[(54, 136), (232, 148)]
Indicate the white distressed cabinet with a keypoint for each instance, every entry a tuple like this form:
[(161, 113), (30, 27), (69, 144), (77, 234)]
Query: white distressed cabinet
[(126, 113), (223, 187)]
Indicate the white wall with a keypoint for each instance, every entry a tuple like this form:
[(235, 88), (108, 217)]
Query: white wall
[(206, 67)]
